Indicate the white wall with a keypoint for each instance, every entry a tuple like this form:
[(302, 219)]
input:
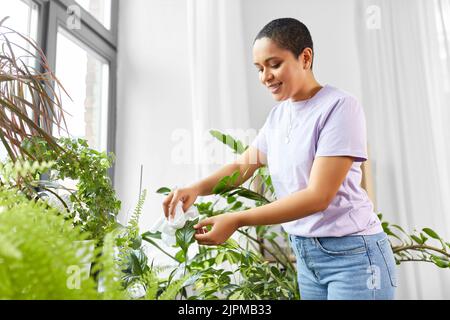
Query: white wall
[(153, 100)]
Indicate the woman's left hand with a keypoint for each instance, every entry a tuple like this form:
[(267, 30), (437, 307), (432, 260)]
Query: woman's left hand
[(223, 226)]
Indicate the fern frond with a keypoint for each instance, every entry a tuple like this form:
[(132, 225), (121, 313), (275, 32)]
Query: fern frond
[(10, 171), (174, 288), (41, 255), (133, 224), (151, 282), (109, 271)]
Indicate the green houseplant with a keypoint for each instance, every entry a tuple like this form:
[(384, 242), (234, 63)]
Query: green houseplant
[(30, 103), (39, 252), (30, 110), (93, 203), (42, 254), (30, 107), (407, 247), (257, 278)]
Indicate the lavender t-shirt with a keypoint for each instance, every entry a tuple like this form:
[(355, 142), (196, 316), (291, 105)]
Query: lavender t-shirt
[(332, 123)]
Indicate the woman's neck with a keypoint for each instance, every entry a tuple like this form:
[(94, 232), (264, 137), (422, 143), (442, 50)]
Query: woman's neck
[(308, 91)]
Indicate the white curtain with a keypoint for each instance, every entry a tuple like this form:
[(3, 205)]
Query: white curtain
[(218, 78), (405, 71)]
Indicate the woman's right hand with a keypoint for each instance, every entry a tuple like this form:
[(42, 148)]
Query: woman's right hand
[(186, 195)]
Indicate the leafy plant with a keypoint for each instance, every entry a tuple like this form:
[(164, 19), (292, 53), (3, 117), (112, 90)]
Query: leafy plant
[(228, 271), (41, 254), (18, 173), (410, 247), (30, 108), (416, 246), (139, 279), (94, 202), (30, 103), (232, 272), (132, 259), (109, 270)]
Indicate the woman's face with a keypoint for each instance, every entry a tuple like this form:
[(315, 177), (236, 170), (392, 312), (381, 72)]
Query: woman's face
[(279, 70)]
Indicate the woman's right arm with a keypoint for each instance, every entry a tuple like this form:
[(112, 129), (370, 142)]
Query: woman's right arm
[(247, 163)]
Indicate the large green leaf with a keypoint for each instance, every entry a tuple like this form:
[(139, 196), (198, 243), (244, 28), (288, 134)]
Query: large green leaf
[(431, 233), (441, 263), (236, 145), (163, 190), (138, 262), (154, 235), (417, 239), (185, 235)]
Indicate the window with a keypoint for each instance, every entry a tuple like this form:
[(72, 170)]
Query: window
[(84, 60), (99, 9), (85, 75), (79, 39), (23, 18)]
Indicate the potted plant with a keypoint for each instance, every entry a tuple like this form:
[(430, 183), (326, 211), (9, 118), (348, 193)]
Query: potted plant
[(29, 95), (260, 279)]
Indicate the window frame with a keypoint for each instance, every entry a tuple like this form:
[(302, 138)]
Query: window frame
[(94, 35)]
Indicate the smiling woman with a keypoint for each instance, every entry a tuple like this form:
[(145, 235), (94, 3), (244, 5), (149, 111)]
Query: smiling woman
[(316, 175), (283, 63)]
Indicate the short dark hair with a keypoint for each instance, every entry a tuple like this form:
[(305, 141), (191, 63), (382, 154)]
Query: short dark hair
[(289, 34)]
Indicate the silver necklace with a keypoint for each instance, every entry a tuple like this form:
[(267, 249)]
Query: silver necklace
[(288, 132)]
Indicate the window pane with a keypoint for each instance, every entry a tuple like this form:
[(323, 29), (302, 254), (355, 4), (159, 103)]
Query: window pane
[(100, 9), (85, 76), (23, 18)]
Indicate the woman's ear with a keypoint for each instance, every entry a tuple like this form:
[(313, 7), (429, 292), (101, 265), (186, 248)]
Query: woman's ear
[(306, 58)]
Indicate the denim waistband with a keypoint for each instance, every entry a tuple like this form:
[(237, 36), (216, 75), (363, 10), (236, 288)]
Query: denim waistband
[(374, 237)]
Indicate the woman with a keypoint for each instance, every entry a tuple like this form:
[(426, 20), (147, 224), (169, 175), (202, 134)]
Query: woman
[(313, 141)]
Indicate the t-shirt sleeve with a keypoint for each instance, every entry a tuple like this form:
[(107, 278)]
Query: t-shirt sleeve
[(260, 142), (344, 131)]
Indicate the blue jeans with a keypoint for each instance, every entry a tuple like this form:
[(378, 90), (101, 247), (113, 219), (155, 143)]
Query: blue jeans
[(349, 268)]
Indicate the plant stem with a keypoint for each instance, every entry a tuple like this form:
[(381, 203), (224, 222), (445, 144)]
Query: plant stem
[(161, 249), (282, 252), (57, 196), (264, 247), (415, 260), (419, 248)]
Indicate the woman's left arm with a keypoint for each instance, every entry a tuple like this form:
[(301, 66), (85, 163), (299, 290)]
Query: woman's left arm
[(327, 175)]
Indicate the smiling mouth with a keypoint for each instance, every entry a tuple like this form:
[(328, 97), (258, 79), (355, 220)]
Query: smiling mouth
[(275, 88)]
